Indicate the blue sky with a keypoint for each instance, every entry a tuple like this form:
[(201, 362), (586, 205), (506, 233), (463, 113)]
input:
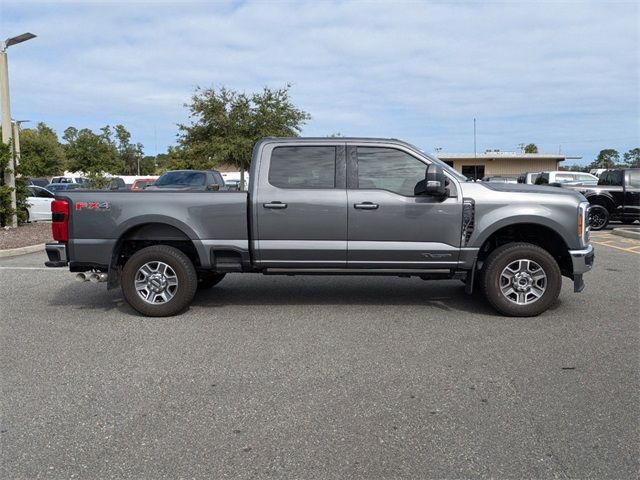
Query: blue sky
[(559, 74)]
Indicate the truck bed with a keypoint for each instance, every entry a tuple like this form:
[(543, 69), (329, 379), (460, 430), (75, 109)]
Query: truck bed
[(209, 219)]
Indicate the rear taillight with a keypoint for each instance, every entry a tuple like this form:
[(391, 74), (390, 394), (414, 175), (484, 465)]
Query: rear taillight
[(60, 220)]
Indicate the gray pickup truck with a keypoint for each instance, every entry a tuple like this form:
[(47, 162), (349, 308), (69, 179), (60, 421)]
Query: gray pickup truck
[(330, 206)]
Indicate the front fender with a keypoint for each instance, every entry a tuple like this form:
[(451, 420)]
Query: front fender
[(540, 215)]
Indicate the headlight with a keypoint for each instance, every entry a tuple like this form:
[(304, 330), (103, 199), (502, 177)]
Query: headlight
[(583, 222)]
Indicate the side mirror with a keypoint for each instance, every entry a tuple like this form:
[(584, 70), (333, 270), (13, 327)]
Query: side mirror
[(213, 187), (434, 183)]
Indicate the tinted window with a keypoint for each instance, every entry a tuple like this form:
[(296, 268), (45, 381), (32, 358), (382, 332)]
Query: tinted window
[(534, 177), (612, 178), (217, 178), (42, 193), (191, 179), (303, 167), (543, 179), (389, 169), (634, 178)]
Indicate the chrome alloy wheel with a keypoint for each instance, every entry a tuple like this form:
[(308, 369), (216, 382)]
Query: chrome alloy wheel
[(156, 282), (523, 282)]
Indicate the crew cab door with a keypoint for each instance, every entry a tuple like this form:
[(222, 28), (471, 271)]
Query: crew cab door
[(301, 206), (632, 193), (389, 227)]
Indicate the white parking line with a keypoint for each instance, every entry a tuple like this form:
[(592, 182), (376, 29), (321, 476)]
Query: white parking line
[(34, 268)]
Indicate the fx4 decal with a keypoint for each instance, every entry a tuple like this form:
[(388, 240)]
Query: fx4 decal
[(92, 206)]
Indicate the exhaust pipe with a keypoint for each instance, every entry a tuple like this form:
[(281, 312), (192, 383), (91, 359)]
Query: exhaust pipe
[(82, 277), (98, 277)]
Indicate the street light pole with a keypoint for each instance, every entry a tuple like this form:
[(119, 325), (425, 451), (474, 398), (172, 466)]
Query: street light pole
[(7, 129), (16, 139)]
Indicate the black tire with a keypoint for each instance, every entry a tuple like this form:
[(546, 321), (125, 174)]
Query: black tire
[(598, 217), (208, 280), (180, 268), (506, 256)]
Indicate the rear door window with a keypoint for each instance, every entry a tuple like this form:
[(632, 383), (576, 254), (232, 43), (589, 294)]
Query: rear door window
[(303, 167), (634, 178)]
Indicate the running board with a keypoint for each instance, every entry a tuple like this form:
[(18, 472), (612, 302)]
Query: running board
[(426, 274)]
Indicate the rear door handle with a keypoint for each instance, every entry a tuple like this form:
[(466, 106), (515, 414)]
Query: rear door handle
[(274, 205), (366, 206)]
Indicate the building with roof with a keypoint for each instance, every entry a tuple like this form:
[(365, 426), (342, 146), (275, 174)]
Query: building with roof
[(505, 164)]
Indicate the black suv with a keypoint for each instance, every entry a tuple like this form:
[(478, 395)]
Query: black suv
[(616, 197)]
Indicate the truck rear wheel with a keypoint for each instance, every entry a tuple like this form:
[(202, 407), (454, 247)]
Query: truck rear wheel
[(521, 280), (159, 281)]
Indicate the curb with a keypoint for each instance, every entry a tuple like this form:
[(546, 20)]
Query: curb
[(14, 252), (627, 232)]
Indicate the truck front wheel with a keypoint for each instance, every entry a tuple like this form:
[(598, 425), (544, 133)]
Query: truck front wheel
[(598, 217), (521, 279), (159, 281)]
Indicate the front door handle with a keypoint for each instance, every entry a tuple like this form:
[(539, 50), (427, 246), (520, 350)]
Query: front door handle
[(274, 205), (366, 206)]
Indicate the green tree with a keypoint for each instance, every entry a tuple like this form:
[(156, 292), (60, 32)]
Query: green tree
[(41, 154), (129, 153), (632, 157), (575, 168), (531, 148), (92, 154), (6, 212), (607, 158), (226, 124)]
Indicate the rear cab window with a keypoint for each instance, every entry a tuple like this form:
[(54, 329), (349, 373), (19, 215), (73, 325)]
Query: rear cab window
[(304, 166)]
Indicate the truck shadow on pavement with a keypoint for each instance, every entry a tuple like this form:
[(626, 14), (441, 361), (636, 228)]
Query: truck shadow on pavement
[(256, 290), (365, 291)]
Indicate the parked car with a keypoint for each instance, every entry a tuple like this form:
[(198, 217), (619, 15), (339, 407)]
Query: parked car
[(616, 197), (528, 177), (117, 183), (330, 206), (62, 187), (189, 180), (566, 177), (232, 184), (142, 183), (69, 180), (499, 179), (38, 203), (39, 181)]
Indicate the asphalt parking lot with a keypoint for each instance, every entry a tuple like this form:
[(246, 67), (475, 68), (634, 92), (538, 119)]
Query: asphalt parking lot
[(320, 377)]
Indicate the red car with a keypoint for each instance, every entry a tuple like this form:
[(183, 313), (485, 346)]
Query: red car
[(142, 183)]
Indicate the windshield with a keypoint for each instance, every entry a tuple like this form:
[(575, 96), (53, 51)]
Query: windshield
[(186, 178)]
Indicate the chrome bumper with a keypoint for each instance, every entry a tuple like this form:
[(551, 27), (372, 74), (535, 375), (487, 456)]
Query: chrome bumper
[(582, 261)]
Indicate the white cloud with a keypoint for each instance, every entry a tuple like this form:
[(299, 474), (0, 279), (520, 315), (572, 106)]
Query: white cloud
[(532, 71)]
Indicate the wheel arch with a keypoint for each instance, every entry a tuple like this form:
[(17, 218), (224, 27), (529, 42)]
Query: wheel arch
[(534, 233), (601, 199), (141, 235)]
